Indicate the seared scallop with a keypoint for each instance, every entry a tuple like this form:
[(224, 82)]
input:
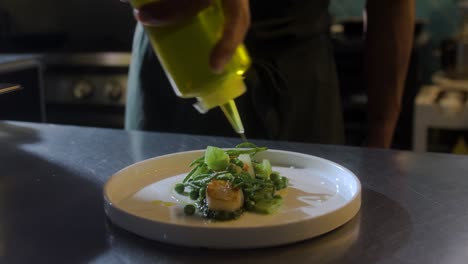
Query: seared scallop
[(221, 196)]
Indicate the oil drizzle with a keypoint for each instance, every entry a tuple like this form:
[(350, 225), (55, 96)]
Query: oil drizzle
[(243, 137), (163, 203)]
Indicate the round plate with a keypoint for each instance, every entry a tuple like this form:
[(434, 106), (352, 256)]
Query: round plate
[(321, 197)]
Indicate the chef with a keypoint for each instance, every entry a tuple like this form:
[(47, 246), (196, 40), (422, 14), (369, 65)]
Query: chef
[(292, 89)]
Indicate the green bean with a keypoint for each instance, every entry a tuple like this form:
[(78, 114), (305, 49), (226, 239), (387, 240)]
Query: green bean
[(201, 176), (193, 185), (237, 152), (191, 173), (200, 160), (202, 192)]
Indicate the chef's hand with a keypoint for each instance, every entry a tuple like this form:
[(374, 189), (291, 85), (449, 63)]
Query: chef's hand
[(237, 22)]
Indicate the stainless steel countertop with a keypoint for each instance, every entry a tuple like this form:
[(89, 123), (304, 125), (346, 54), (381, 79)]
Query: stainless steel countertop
[(51, 177)]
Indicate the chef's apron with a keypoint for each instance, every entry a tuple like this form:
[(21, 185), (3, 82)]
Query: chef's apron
[(292, 89)]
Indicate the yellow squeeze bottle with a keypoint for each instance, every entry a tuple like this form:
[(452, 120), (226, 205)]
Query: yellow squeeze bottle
[(184, 50)]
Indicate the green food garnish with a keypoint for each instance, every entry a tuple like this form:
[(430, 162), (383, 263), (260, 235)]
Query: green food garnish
[(238, 169), (216, 158)]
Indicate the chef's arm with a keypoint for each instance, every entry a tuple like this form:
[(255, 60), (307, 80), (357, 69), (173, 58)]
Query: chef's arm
[(390, 27)]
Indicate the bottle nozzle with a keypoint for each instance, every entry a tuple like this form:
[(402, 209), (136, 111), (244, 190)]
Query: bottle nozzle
[(232, 115)]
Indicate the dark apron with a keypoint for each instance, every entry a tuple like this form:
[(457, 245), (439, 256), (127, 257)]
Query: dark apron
[(292, 90)]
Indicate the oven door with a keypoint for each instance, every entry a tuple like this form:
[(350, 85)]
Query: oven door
[(86, 89), (26, 104)]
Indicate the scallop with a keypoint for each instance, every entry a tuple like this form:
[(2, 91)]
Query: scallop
[(221, 196)]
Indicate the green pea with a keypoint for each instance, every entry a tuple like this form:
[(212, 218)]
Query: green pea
[(179, 188), (278, 184), (275, 177), (189, 209), (194, 194), (277, 181)]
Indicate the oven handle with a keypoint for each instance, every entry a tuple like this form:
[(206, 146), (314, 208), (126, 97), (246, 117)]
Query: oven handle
[(8, 88)]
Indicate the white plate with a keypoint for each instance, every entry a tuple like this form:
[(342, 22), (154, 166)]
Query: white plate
[(321, 197)]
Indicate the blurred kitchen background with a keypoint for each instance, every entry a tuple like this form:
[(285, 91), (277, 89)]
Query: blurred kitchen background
[(72, 58)]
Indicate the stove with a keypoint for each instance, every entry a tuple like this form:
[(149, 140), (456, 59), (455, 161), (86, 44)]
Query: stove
[(87, 89)]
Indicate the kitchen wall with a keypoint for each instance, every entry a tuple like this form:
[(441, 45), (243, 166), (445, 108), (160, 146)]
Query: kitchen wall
[(441, 23), (440, 14), (114, 18), (80, 19), (441, 17)]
